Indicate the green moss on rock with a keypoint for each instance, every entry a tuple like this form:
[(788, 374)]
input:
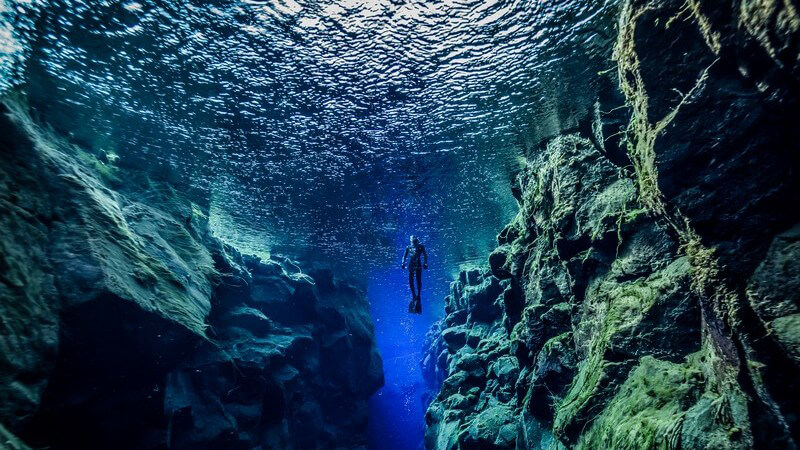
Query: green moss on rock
[(649, 410)]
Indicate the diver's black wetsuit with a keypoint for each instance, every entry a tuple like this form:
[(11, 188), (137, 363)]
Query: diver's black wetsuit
[(418, 259)]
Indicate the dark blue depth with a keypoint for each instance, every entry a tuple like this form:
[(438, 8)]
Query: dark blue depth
[(397, 411)]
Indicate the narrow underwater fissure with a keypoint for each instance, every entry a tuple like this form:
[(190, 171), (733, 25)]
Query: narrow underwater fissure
[(203, 209), (397, 410)]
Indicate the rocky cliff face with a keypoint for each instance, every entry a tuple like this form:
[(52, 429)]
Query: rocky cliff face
[(125, 324), (645, 296)]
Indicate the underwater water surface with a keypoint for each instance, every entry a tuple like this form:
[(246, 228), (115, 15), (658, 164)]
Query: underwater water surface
[(326, 131), (318, 126)]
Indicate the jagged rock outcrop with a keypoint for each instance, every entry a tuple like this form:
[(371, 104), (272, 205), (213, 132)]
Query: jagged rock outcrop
[(590, 285), (125, 324), (655, 302)]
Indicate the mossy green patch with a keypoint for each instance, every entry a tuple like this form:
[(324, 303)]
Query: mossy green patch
[(641, 134), (640, 139), (648, 411), (613, 316)]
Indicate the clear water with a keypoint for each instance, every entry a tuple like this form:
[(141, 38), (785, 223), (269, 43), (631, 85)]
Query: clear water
[(327, 131)]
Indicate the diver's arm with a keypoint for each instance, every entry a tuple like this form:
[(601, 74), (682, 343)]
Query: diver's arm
[(405, 255), (425, 256)]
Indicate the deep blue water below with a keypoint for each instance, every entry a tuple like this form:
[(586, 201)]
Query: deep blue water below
[(397, 411)]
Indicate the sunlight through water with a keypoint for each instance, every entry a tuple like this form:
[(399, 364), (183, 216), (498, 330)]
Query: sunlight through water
[(327, 131)]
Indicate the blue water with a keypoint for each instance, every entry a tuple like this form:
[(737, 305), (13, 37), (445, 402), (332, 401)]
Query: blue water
[(327, 131), (397, 410), (316, 128)]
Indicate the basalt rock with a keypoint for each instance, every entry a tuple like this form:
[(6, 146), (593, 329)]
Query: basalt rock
[(774, 291), (655, 277), (125, 324), (474, 408)]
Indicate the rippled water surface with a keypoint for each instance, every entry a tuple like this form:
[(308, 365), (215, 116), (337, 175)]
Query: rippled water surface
[(334, 127), (325, 130)]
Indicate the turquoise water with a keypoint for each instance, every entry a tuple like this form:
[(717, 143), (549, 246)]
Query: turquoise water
[(327, 131)]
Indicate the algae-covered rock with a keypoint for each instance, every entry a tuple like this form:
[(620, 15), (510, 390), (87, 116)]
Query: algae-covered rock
[(498, 262), (518, 315), (28, 295), (649, 410), (656, 316), (118, 284), (774, 291), (479, 369), (220, 395), (10, 441), (454, 337), (657, 274), (550, 375), (492, 428)]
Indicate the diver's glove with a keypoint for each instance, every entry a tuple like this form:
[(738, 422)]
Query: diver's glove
[(402, 266)]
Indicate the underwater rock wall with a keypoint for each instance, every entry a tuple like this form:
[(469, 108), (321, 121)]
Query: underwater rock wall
[(645, 296), (125, 324)]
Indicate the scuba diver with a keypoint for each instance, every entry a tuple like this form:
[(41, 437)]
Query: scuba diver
[(415, 266)]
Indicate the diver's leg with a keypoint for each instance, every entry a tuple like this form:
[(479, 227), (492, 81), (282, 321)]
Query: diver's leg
[(418, 305), (411, 286), (419, 281)]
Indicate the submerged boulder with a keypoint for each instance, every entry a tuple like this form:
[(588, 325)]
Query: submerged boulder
[(126, 324)]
